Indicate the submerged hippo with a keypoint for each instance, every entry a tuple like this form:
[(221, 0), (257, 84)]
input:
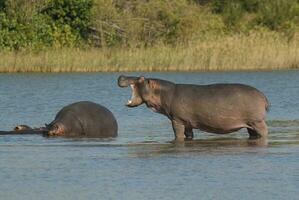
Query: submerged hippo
[(80, 119), (25, 130), (216, 108)]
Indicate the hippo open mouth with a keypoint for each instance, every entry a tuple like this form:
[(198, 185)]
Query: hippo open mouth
[(132, 96), (135, 99)]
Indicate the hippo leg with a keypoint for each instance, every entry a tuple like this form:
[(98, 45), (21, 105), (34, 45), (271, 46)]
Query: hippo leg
[(188, 133), (257, 130), (179, 131)]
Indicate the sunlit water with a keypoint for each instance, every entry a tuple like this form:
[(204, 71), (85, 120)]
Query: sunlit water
[(141, 163)]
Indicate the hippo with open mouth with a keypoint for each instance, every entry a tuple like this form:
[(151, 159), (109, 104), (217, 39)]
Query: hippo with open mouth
[(80, 119), (216, 108)]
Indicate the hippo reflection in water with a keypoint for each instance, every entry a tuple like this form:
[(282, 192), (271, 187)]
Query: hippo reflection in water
[(216, 108), (80, 119)]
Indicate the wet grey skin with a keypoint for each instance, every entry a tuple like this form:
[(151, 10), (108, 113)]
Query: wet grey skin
[(216, 108), (80, 119)]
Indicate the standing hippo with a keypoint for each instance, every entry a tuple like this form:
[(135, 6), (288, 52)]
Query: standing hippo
[(216, 108), (80, 119)]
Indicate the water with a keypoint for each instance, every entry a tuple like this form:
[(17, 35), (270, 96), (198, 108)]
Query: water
[(141, 163)]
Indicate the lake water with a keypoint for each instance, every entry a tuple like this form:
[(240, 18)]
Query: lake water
[(141, 163)]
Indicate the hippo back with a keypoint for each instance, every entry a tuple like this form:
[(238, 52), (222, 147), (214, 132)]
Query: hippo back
[(95, 120)]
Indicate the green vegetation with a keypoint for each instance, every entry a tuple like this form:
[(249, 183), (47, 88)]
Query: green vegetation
[(118, 35)]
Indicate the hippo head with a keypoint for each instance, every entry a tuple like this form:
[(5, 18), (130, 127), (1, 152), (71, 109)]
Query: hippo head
[(140, 89), (55, 129), (25, 129), (22, 128)]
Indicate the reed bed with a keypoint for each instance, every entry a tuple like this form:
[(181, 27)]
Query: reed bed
[(256, 51)]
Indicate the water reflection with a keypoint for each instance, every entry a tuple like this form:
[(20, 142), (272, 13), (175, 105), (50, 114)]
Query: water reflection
[(199, 146)]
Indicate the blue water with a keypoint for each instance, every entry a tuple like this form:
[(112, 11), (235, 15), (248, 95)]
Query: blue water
[(142, 163)]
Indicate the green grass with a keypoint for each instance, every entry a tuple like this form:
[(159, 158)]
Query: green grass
[(256, 51)]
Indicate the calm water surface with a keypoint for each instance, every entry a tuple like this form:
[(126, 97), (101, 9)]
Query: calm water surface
[(141, 163)]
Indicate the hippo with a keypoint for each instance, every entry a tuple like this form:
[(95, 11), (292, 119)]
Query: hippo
[(217, 108), (25, 130), (80, 119)]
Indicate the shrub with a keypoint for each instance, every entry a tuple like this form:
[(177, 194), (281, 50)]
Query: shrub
[(37, 24), (43, 23), (70, 13), (276, 13)]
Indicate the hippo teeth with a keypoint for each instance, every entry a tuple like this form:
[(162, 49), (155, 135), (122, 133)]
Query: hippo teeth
[(129, 102)]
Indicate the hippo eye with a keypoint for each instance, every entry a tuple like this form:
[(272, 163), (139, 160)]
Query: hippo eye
[(57, 127), (17, 128)]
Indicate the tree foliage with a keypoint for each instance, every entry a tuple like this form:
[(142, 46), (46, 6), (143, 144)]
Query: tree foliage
[(38, 24)]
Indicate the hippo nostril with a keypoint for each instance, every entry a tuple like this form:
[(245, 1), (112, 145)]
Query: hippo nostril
[(121, 77)]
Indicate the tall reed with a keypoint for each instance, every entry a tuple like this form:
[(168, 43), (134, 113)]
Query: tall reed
[(256, 51)]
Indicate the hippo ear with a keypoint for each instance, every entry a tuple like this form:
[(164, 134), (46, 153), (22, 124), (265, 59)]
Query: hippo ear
[(141, 79)]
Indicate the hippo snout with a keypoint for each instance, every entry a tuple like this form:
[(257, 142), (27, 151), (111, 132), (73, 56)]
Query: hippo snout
[(122, 82), (125, 81)]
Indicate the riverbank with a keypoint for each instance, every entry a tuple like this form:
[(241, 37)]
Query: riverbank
[(255, 51)]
